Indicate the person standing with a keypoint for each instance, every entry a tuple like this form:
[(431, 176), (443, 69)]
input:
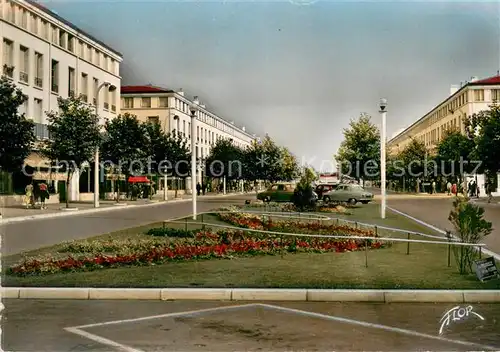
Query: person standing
[(433, 187), (198, 188), (448, 188), (29, 198)]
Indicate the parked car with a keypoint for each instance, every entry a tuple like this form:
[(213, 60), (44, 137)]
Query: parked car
[(324, 188), (350, 193), (280, 193)]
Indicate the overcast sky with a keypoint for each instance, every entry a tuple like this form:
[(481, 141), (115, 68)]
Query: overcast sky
[(300, 73)]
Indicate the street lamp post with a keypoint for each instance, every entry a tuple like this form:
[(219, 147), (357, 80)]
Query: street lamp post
[(193, 108), (383, 112), (111, 88)]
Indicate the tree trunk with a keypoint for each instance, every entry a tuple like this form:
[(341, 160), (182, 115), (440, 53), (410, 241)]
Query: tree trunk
[(68, 177)]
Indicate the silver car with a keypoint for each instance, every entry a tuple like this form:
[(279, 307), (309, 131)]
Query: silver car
[(348, 193)]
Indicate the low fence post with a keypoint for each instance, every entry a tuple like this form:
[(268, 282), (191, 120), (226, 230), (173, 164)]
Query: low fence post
[(480, 252), (366, 253), (202, 222), (448, 235), (408, 245), (186, 224), (376, 231), (356, 224), (163, 224)]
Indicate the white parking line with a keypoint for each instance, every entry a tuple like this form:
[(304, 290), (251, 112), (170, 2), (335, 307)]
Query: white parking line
[(78, 329)]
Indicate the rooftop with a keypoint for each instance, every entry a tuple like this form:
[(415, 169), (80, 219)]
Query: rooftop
[(144, 89), (71, 25), (486, 81)]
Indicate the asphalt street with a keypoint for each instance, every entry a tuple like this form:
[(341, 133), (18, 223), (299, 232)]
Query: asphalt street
[(436, 211), (39, 325), (37, 233)]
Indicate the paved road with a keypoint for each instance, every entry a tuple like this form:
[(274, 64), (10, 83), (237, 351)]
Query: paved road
[(37, 325), (33, 234), (436, 212)]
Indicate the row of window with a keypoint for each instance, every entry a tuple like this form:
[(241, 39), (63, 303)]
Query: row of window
[(128, 102), (432, 137), (24, 18)]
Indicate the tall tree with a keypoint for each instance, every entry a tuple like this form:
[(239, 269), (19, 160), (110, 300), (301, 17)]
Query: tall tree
[(359, 152), (264, 161), (453, 153), (125, 146), (484, 128), (225, 160), (16, 132), (74, 136), (414, 160), (290, 168)]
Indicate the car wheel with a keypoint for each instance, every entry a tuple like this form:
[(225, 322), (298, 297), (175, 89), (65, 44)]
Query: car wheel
[(365, 202), (352, 201), (267, 199), (326, 199)]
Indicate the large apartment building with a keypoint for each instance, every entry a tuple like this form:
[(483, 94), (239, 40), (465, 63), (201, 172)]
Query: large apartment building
[(48, 57), (170, 108), (469, 98)]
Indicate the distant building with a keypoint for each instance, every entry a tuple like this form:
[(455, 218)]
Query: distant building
[(48, 57), (463, 101), (332, 177)]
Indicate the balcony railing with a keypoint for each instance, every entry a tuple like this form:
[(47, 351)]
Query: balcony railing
[(113, 108), (39, 82), (23, 77), (55, 88), (85, 98), (8, 70), (106, 105)]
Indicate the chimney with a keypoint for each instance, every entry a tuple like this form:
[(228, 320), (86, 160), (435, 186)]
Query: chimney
[(473, 79), (453, 89), (243, 128), (180, 92)]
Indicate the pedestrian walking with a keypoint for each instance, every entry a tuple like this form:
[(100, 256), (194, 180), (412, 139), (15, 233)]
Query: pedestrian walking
[(489, 191), (29, 198), (433, 187), (198, 188), (203, 188), (448, 188), (44, 194)]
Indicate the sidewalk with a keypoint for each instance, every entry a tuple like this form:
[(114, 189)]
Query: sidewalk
[(20, 213)]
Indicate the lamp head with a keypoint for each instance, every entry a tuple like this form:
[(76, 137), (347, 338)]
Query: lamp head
[(195, 105), (383, 105)]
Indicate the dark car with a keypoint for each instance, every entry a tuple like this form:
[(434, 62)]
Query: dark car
[(323, 188)]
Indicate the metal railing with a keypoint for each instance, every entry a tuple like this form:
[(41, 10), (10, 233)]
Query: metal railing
[(23, 77), (39, 82)]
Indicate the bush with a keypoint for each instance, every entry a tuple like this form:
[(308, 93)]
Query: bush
[(303, 197), (170, 232), (471, 227)]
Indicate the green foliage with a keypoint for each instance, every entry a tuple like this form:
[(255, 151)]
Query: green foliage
[(171, 232), (125, 144), (453, 153), (225, 159), (303, 195), (484, 128), (16, 132), (471, 227), (359, 152), (168, 152), (415, 159), (74, 135)]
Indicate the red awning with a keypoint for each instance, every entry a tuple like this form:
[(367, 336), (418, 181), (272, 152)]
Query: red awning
[(138, 179)]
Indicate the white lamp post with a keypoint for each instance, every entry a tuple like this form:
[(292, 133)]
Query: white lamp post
[(111, 88), (194, 107), (383, 111)]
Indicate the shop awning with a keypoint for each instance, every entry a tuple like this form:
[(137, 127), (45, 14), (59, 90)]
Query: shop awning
[(138, 179)]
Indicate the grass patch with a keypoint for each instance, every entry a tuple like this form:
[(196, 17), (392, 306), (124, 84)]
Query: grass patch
[(425, 267)]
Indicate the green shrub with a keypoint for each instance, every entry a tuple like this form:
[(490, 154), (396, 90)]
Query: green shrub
[(170, 232)]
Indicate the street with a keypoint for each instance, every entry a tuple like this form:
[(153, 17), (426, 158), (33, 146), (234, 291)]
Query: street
[(38, 325), (33, 234)]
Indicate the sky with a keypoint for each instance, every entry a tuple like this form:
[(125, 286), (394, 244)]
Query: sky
[(299, 72)]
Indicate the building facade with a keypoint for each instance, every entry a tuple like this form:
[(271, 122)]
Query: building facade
[(47, 57), (170, 109), (463, 101)]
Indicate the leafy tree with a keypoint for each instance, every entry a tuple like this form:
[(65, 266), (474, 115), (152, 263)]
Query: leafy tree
[(125, 146), (453, 153), (359, 152), (263, 161), (415, 161), (289, 167), (225, 159), (74, 136), (303, 195), (484, 128), (16, 132), (471, 227), (168, 153)]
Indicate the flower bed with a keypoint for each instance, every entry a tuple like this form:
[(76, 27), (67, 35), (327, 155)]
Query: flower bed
[(204, 245), (258, 222)]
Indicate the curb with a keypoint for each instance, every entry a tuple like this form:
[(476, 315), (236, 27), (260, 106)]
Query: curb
[(240, 294), (105, 209)]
